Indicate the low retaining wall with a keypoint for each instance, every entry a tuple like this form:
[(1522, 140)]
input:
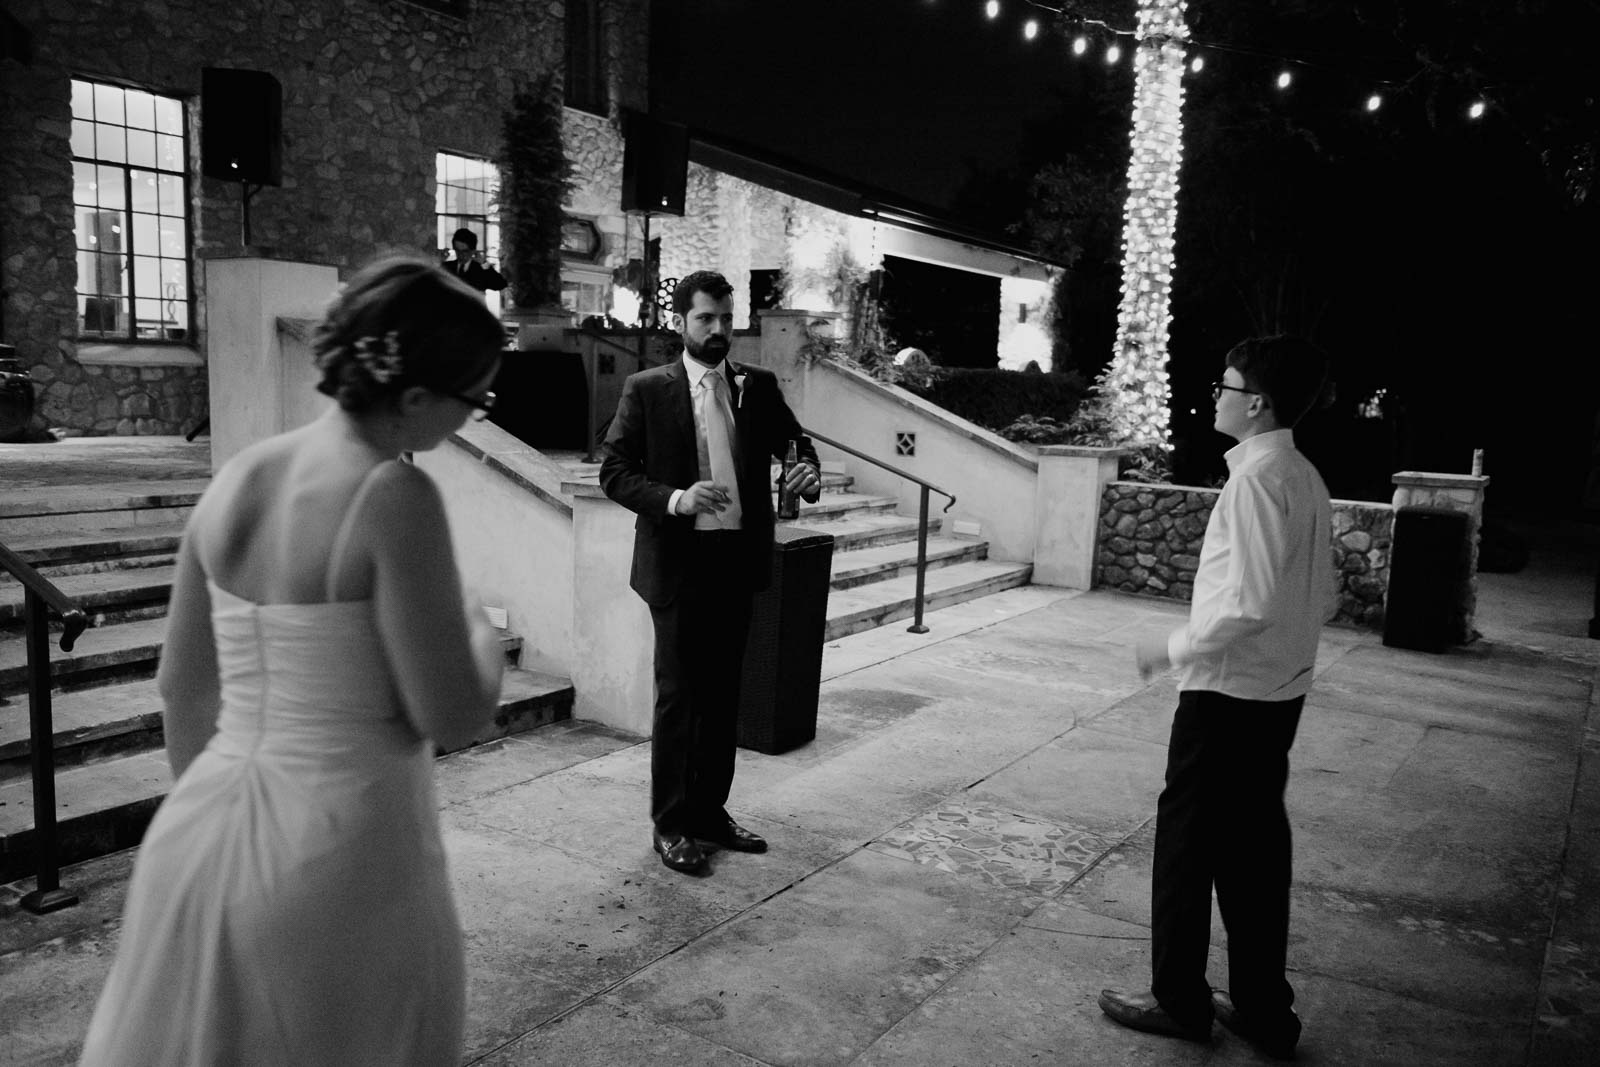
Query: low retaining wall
[(1150, 538)]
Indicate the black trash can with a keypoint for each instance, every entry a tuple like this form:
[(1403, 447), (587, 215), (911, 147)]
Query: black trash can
[(783, 658), (1428, 573)]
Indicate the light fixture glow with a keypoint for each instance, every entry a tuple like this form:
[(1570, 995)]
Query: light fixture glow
[(1284, 78), (1113, 54), (1476, 110), (1080, 45), (1374, 102), (1030, 29), (992, 9), (1197, 64)]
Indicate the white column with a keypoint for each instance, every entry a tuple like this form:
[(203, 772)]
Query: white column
[(1071, 484)]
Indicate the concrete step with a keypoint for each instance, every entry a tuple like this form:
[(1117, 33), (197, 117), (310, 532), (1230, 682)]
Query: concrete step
[(59, 554), (864, 530), (883, 562), (119, 651), (866, 607), (104, 596), (87, 725), (77, 509), (833, 481), (833, 506), (105, 806)]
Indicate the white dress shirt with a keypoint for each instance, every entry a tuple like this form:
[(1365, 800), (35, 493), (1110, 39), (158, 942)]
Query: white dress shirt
[(697, 399), (1265, 583)]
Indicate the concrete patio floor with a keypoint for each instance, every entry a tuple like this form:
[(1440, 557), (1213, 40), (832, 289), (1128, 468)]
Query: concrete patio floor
[(961, 860)]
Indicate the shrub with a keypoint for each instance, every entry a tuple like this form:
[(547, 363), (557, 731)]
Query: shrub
[(996, 398)]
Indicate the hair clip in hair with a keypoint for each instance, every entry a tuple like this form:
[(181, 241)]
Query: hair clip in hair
[(380, 357)]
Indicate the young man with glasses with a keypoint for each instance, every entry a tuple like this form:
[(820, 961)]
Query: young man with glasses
[(1264, 587)]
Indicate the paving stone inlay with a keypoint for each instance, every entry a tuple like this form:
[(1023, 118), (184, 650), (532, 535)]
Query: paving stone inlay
[(999, 847)]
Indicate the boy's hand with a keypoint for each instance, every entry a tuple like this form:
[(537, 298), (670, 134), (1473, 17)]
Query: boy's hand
[(1150, 655)]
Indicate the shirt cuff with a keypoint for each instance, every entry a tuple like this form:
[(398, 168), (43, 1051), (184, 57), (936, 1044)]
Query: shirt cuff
[(1178, 646), (672, 501)]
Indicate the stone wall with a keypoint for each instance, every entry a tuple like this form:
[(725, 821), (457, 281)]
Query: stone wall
[(372, 90), (1150, 538)]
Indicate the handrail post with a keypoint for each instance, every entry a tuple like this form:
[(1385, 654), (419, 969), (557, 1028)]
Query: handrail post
[(48, 894), (922, 560), (591, 374)]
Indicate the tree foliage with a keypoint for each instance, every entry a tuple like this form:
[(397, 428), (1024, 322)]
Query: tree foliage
[(533, 189)]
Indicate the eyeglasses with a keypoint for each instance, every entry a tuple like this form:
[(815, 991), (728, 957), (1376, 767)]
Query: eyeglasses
[(481, 405), (1218, 387)]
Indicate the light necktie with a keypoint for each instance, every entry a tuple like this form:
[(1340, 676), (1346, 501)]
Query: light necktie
[(720, 455)]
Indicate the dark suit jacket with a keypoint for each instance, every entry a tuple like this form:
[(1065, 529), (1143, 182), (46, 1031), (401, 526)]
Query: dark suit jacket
[(650, 451), (478, 276)]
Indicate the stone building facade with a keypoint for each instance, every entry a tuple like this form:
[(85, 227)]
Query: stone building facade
[(372, 91)]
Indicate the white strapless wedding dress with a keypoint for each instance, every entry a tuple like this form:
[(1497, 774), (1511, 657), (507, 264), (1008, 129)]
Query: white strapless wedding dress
[(290, 903)]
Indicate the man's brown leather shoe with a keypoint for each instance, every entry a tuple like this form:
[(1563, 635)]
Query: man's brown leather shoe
[(1141, 1011), (730, 835), (1277, 1040), (679, 852)]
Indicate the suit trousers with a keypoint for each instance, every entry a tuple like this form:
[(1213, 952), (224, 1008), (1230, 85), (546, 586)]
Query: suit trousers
[(699, 657), (1221, 822)]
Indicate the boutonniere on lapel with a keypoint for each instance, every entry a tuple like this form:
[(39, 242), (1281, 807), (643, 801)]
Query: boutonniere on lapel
[(738, 385)]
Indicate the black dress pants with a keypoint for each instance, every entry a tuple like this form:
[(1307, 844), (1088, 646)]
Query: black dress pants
[(699, 656), (1221, 822)]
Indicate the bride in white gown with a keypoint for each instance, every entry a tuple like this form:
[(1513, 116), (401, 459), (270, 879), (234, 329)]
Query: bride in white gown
[(290, 903)]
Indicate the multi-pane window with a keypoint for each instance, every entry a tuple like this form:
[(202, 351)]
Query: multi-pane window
[(467, 195), (130, 213), (585, 82)]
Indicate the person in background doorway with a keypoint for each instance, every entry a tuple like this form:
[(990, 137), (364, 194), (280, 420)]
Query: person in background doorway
[(468, 264)]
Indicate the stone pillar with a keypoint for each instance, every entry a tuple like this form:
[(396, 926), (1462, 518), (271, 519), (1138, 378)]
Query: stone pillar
[(261, 386), (1457, 492), (613, 642), (1072, 480)]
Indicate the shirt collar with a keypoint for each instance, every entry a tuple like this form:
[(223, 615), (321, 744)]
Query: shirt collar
[(1260, 444), (698, 370)]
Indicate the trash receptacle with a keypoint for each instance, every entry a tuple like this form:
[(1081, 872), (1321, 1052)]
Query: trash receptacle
[(1428, 573), (783, 658)]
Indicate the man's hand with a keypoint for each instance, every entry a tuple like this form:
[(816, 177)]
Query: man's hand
[(704, 498), (805, 481), (1150, 655)]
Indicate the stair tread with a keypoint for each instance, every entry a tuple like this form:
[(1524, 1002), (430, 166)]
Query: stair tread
[(858, 560), (102, 496), (977, 570), (104, 543), (863, 523), (98, 588), (117, 639)]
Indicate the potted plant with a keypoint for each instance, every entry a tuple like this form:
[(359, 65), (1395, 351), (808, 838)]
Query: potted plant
[(533, 193)]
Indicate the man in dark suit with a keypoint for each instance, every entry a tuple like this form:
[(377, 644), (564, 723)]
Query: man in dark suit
[(690, 452), (468, 264)]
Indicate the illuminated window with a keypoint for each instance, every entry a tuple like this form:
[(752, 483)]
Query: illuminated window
[(467, 196), (131, 213)]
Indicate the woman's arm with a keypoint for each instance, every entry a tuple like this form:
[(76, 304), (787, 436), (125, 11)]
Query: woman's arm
[(446, 660), (187, 678)]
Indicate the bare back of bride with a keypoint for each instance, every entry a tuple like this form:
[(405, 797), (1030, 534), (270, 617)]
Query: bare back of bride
[(290, 903)]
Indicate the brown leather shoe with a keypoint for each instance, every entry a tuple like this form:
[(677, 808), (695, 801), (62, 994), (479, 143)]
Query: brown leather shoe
[(1277, 1040), (730, 835), (1141, 1011), (678, 852)]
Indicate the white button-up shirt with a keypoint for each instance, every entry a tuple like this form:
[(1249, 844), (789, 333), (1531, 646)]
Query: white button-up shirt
[(1265, 583), (697, 399)]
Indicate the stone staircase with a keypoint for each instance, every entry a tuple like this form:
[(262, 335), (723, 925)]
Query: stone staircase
[(111, 548), (874, 572)]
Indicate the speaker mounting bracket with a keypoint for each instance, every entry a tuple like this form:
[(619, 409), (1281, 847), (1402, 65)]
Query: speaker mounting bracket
[(245, 193)]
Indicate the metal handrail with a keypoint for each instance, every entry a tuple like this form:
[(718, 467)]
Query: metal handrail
[(916, 626), (591, 376), (40, 595)]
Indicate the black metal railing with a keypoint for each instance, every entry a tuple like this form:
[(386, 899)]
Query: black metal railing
[(39, 597), (922, 514), (591, 375)]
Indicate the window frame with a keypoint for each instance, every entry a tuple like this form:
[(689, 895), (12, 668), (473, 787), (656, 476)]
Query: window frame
[(585, 85), (489, 239), (129, 255)]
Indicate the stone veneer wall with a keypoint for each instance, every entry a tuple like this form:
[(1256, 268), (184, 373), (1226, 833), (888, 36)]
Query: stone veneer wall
[(1150, 538), (372, 90)]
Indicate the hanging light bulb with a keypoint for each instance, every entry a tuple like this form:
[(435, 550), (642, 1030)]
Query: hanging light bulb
[(1030, 29), (1113, 54), (1284, 78), (1374, 102), (992, 9), (1197, 64), (1476, 110), (1080, 45)]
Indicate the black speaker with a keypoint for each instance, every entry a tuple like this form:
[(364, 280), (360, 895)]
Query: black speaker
[(655, 164), (241, 126)]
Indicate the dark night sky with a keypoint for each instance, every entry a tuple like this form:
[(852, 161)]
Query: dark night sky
[(897, 94)]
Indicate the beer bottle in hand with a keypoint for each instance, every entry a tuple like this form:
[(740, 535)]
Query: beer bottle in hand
[(788, 499)]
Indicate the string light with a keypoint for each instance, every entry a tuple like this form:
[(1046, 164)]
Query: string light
[(1476, 110), (1113, 54), (992, 9), (1374, 102), (1284, 78), (1197, 64), (1080, 45), (1030, 29)]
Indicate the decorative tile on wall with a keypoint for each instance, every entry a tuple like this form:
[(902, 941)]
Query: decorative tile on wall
[(999, 847)]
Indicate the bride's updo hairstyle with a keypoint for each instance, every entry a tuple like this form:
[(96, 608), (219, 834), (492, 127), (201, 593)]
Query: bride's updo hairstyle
[(402, 322)]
